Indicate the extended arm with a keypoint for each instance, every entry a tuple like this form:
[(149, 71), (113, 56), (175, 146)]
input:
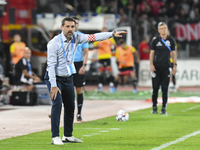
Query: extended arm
[(99, 36)]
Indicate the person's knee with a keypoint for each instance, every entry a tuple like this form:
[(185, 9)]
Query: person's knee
[(101, 79), (155, 90), (117, 77), (57, 102), (79, 90), (71, 107), (57, 106), (164, 88), (132, 74)]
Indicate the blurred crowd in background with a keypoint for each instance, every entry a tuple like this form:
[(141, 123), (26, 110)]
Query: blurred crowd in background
[(142, 15), (182, 9)]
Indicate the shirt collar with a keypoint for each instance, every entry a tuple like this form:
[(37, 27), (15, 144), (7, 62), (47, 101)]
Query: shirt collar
[(27, 59), (166, 38)]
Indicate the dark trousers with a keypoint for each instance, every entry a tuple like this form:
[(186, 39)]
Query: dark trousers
[(67, 98), (162, 78)]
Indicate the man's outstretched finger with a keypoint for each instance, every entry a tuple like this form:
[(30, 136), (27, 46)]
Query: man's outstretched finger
[(121, 32), (52, 96), (59, 91)]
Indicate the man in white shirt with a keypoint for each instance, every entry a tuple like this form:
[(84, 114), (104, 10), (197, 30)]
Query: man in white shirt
[(60, 67)]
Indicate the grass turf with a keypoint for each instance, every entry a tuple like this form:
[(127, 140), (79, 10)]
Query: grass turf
[(143, 131)]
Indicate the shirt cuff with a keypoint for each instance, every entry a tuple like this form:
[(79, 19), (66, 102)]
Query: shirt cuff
[(113, 33), (53, 83)]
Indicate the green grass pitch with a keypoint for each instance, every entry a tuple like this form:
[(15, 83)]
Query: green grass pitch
[(143, 131)]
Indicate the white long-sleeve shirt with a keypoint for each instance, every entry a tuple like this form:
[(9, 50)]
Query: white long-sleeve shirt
[(56, 63)]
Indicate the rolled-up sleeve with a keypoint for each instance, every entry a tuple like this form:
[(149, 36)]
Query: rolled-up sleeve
[(52, 49), (83, 38), (85, 45)]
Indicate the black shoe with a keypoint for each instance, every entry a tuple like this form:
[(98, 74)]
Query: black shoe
[(154, 111), (79, 118), (163, 111)]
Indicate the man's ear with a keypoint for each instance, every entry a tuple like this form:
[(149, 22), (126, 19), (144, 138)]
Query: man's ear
[(61, 27)]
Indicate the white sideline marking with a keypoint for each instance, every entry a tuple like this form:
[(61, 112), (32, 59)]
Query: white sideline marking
[(87, 135), (103, 131), (191, 108), (176, 141), (99, 128), (115, 128), (94, 133)]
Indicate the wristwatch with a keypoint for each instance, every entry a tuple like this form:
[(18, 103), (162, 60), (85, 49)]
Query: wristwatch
[(85, 65), (175, 64)]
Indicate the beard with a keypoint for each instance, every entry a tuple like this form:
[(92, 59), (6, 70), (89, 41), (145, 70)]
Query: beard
[(68, 36)]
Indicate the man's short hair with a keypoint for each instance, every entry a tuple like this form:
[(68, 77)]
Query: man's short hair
[(161, 24), (67, 19), (27, 48)]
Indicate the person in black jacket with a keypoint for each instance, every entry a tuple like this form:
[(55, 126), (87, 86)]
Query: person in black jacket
[(23, 71), (160, 66)]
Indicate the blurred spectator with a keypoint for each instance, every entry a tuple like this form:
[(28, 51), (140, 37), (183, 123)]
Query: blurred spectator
[(17, 49), (121, 4), (182, 15), (94, 5), (81, 6), (43, 6), (57, 6), (54, 6), (162, 15), (184, 6), (144, 49), (130, 9), (123, 18), (171, 10), (102, 8), (156, 6), (144, 8), (112, 7), (23, 71), (195, 11)]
